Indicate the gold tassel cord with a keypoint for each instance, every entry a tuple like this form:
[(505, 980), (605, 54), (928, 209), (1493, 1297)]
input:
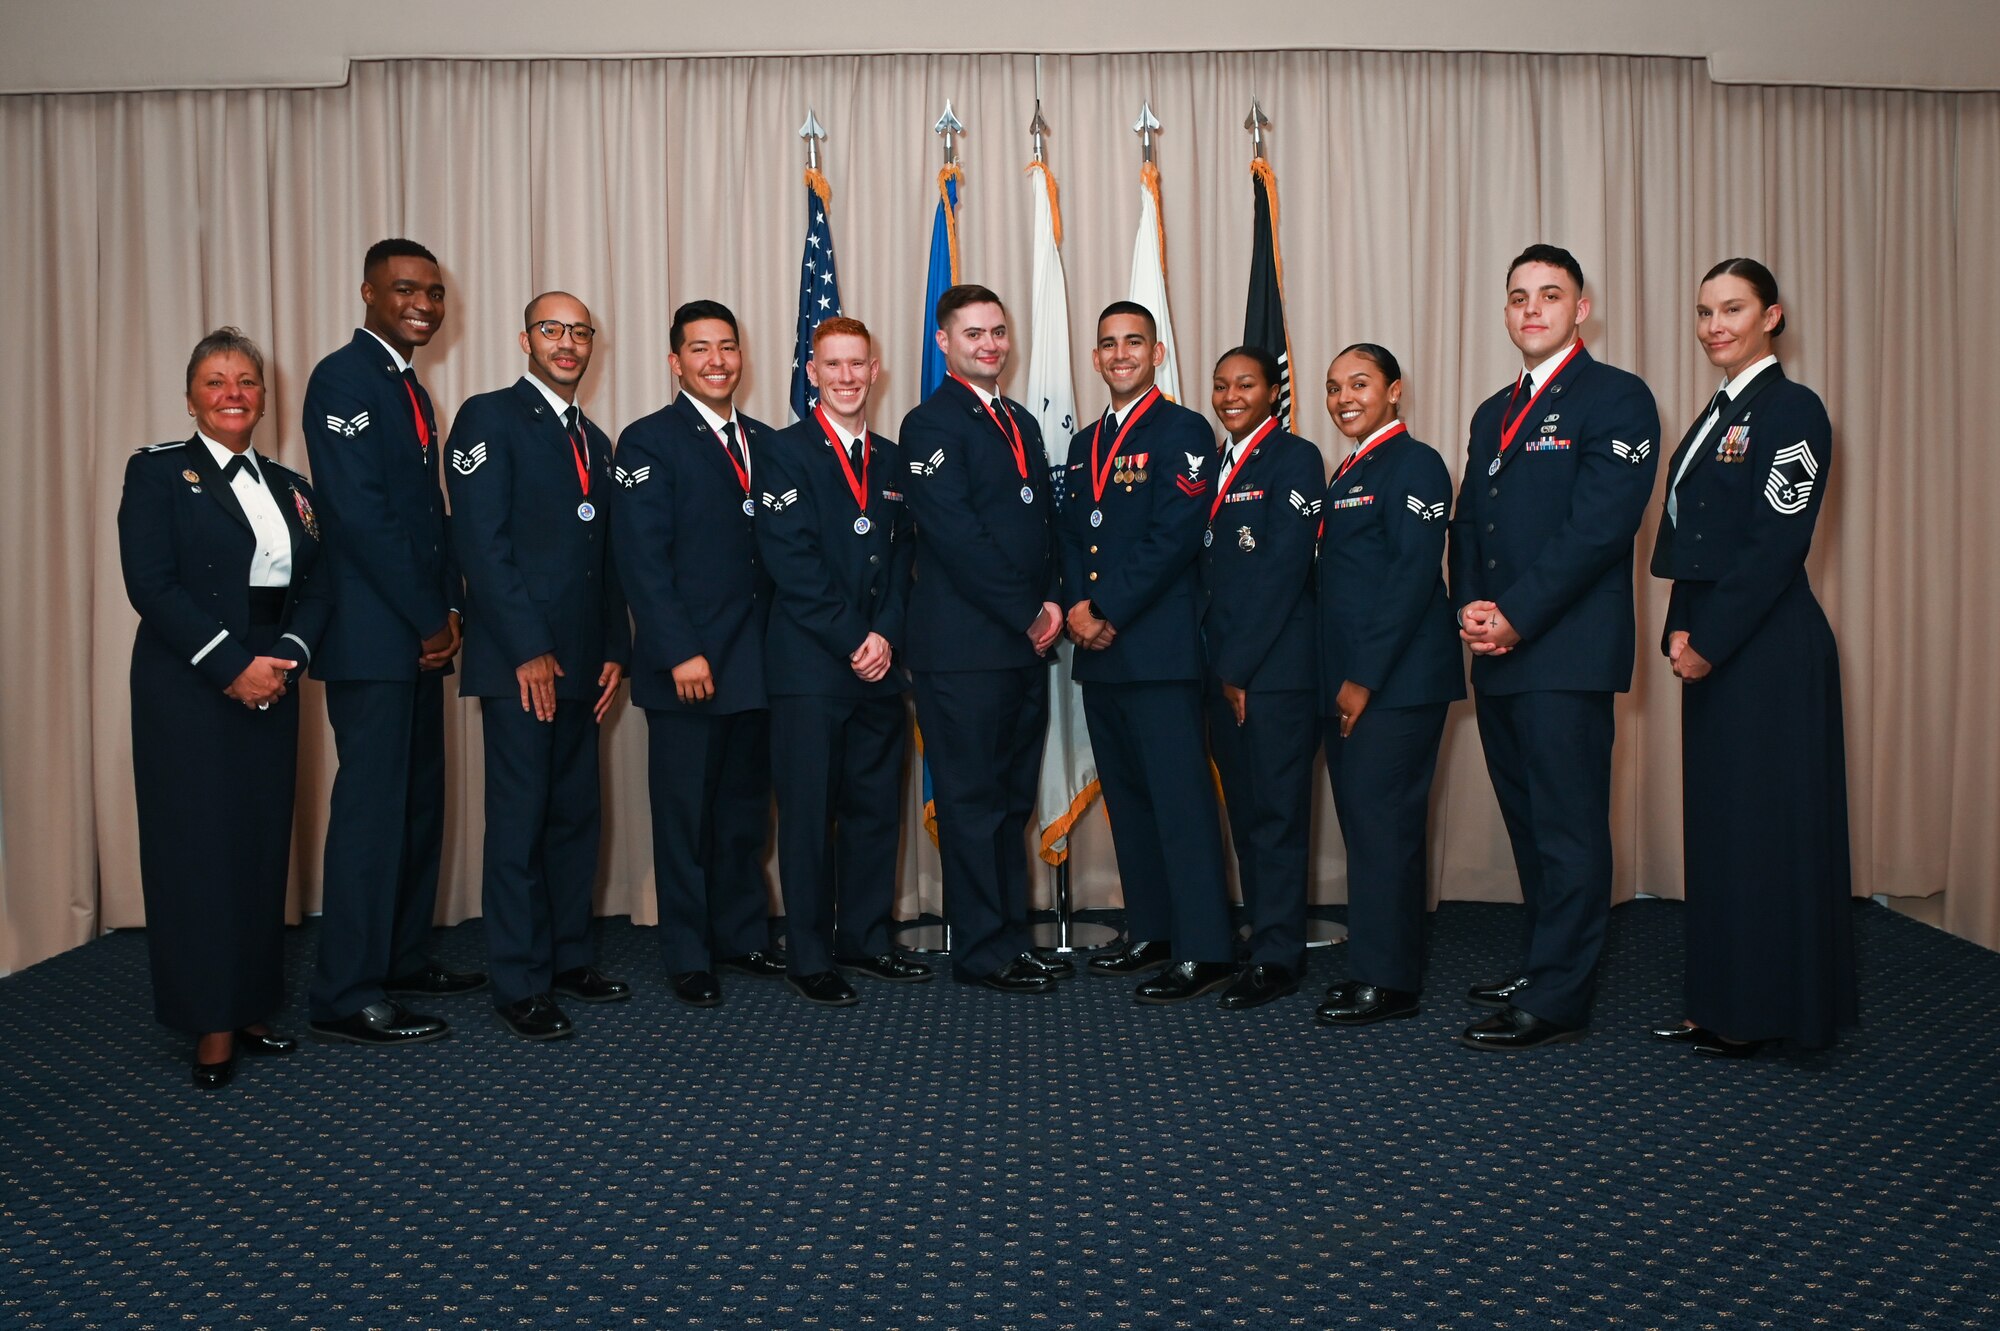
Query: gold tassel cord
[(1055, 206), (816, 182), (944, 177), (1149, 177)]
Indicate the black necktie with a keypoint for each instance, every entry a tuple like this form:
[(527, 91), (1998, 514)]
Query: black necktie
[(729, 442), (236, 464), (1718, 404), (854, 452), (1524, 393)]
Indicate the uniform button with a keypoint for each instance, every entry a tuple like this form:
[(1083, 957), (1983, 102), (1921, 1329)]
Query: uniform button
[(589, 573), (1701, 504), (1493, 563), (1489, 526), (874, 559), (1093, 549), (1093, 575), (1697, 536), (1493, 492), (874, 591)]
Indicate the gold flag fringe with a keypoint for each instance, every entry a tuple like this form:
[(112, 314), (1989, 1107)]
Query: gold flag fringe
[(1055, 207)]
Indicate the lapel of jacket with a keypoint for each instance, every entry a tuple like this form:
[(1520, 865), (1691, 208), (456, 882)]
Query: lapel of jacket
[(707, 444), (1737, 408), (214, 486), (1551, 403)]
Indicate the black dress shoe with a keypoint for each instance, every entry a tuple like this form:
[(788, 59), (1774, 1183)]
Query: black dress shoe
[(1682, 1033), (1355, 1004), (1496, 993), (1511, 1030), (825, 988), (696, 988), (1184, 980), (1132, 958), (761, 964), (888, 966), (249, 1042), (535, 1017), (1056, 968), (435, 981), (211, 1076), (383, 1023), (586, 984), (1714, 1046), (1012, 978), (1258, 985)]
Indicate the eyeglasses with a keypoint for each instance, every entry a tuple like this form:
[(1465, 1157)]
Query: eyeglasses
[(553, 331)]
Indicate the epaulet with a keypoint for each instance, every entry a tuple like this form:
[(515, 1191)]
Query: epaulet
[(161, 448)]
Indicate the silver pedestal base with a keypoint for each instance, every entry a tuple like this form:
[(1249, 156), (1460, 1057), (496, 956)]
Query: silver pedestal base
[(1074, 936), (923, 940)]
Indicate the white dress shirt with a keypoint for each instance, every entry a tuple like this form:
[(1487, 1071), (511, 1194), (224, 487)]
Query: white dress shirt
[(271, 565), (562, 410), (715, 424)]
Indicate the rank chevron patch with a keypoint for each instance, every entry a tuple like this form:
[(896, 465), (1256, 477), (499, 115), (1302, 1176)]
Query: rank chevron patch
[(779, 503), (466, 462), (350, 427), (1789, 487), (628, 479), (1428, 512), (1632, 453), (1306, 507), (928, 466)]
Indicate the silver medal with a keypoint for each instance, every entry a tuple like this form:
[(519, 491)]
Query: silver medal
[(585, 511), (861, 525), (1244, 540), (1027, 494), (1097, 517), (1208, 537), (1493, 466), (749, 508)]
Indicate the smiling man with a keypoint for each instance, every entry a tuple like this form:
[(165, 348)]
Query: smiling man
[(373, 440), (546, 642), (983, 617), (1139, 484), (688, 563), (1558, 473), (835, 534)]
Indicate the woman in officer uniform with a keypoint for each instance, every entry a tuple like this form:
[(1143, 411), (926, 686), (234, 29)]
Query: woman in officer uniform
[(1770, 950), (1390, 667), (1257, 629), (217, 544)]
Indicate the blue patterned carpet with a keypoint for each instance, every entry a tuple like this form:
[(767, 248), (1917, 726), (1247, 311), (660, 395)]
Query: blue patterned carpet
[(943, 1157)]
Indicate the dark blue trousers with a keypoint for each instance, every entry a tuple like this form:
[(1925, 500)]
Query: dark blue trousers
[(1381, 779), (837, 765), (1153, 766), (983, 732), (540, 862), (1549, 754), (1266, 769), (709, 780), (384, 838)]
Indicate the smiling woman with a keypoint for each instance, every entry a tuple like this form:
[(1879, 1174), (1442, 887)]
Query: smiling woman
[(218, 546)]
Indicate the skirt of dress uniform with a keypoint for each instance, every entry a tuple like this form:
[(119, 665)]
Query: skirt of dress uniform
[(1770, 949), (214, 781)]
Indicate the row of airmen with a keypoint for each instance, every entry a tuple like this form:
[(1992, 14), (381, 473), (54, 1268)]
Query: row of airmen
[(772, 594)]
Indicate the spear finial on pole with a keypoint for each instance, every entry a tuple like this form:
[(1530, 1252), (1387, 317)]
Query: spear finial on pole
[(1144, 127), (951, 127), (814, 134), (1038, 129), (1256, 122)]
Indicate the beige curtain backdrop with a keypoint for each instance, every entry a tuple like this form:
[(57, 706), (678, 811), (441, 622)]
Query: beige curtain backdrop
[(134, 223)]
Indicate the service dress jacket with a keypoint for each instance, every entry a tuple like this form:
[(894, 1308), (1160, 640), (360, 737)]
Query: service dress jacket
[(1258, 618)]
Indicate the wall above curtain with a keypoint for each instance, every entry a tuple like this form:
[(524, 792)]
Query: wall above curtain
[(133, 45)]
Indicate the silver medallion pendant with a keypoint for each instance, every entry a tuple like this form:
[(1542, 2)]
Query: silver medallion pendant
[(585, 511), (1027, 494), (749, 508), (1208, 538), (1097, 517), (862, 525), (1493, 466)]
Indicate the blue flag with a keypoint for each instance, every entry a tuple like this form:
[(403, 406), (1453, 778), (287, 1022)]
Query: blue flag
[(943, 273), (819, 290)]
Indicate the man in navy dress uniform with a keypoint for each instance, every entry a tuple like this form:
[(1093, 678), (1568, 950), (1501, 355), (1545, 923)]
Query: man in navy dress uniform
[(1558, 473), (1139, 487), (835, 534), (372, 437), (982, 618), (546, 642), (688, 563)]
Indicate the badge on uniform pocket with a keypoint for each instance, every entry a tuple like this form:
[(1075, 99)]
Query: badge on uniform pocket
[(1244, 540)]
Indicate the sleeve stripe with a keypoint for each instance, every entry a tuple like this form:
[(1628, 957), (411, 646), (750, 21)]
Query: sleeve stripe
[(213, 643), (305, 650)]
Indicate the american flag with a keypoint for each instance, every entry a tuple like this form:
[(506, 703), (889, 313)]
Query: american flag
[(819, 290)]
